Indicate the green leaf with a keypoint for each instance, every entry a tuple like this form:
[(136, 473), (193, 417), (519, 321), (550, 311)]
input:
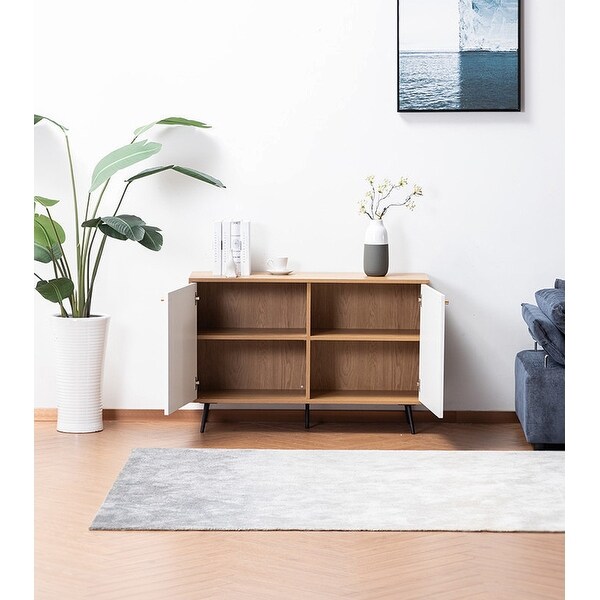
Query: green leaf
[(38, 118), (171, 121), (92, 222), (122, 227), (121, 158), (44, 232), (41, 253), (55, 290), (110, 232), (44, 254), (47, 202), (183, 121), (150, 171), (198, 175), (152, 239), (128, 225), (184, 170)]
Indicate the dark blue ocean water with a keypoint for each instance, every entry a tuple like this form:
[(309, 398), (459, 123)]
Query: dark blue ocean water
[(459, 81)]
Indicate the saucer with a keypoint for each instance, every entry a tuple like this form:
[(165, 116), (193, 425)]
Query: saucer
[(285, 272)]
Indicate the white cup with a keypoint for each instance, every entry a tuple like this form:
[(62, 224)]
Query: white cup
[(277, 264)]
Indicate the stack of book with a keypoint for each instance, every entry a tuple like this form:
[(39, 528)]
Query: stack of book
[(231, 248)]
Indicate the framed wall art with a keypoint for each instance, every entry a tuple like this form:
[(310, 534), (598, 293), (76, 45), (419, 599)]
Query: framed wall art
[(459, 55)]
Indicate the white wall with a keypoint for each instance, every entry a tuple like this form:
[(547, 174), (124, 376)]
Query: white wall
[(301, 97)]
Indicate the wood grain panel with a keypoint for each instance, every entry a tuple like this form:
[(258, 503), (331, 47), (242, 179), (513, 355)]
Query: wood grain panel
[(360, 278), (363, 397), (375, 366), (365, 306), (226, 305), (308, 342), (375, 335), (251, 365), (248, 333), (252, 396)]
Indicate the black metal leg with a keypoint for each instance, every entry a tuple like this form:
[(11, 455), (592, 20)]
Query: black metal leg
[(306, 416), (409, 417), (204, 416)]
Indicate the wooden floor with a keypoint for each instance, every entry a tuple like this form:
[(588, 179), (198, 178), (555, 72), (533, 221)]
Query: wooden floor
[(73, 474)]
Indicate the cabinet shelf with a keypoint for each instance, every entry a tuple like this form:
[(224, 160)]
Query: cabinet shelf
[(252, 333), (253, 396), (363, 397), (368, 335)]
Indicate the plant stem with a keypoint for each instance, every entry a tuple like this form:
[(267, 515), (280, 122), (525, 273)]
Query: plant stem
[(79, 297), (63, 257), (372, 200), (122, 197), (382, 198), (94, 273), (396, 204), (99, 200), (89, 260), (90, 286)]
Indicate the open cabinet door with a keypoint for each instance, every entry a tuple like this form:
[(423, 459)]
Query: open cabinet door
[(431, 350), (182, 348)]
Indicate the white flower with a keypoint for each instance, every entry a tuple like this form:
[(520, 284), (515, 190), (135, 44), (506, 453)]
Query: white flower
[(373, 204)]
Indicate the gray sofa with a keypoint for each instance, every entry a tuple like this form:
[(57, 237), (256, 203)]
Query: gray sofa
[(540, 373)]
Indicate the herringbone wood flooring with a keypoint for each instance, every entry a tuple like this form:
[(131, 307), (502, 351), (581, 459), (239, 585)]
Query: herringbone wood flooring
[(74, 473)]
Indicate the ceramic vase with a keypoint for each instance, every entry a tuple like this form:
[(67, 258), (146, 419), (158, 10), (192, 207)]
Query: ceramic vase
[(376, 250)]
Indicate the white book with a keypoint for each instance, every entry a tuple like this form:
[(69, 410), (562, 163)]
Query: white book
[(217, 248), (245, 267), (235, 243), (226, 247)]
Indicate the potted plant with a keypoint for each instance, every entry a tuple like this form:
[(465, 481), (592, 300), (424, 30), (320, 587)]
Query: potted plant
[(79, 333), (375, 206)]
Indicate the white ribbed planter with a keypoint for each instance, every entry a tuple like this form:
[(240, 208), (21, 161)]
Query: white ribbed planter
[(79, 345)]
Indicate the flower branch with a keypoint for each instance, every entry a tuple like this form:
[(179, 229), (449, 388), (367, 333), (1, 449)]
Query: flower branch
[(375, 205)]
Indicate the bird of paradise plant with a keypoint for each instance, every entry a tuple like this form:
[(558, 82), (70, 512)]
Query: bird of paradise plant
[(74, 281)]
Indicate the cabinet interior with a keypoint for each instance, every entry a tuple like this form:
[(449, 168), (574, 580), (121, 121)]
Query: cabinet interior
[(316, 342), (347, 306), (366, 366), (251, 365), (225, 305)]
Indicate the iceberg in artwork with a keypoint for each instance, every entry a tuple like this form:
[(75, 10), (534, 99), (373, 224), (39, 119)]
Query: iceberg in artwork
[(488, 25)]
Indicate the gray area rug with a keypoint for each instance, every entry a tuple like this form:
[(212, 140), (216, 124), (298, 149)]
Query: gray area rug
[(336, 490)]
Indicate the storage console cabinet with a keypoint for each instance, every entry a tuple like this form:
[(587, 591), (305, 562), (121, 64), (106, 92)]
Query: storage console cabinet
[(306, 338)]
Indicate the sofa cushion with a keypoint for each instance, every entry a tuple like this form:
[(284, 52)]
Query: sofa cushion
[(552, 303), (544, 332), (559, 284)]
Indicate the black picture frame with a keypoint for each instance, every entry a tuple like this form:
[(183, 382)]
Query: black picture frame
[(476, 80)]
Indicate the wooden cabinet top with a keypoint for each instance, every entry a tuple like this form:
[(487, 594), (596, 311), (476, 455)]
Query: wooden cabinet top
[(393, 278)]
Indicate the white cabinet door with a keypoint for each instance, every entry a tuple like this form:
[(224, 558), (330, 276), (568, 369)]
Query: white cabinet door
[(182, 348), (431, 350)]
